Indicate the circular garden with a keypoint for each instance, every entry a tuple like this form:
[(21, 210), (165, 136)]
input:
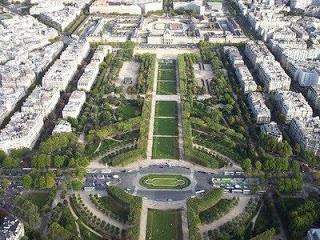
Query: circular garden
[(164, 181)]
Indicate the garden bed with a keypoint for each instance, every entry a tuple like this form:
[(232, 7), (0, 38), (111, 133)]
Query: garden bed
[(167, 181)]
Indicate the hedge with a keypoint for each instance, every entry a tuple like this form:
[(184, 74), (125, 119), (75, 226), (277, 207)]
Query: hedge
[(91, 220), (135, 205), (195, 206)]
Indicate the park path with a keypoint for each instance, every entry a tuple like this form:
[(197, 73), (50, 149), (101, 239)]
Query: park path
[(180, 128), (152, 114), (184, 223), (143, 221), (236, 211), (92, 208), (85, 225)]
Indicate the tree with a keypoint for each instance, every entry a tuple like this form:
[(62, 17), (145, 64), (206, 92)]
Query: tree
[(42, 182), (3, 156), (58, 161), (295, 167), (10, 162), (247, 165), (76, 184), (56, 231), (27, 212), (27, 181), (41, 161), (50, 181), (5, 183), (258, 166)]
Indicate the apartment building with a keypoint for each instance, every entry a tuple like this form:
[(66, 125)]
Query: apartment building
[(258, 107), (273, 77), (75, 103), (271, 129), (306, 133), (293, 105)]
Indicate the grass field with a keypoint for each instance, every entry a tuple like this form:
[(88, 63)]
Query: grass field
[(167, 74), (166, 109), (165, 126), (164, 225), (164, 181), (166, 66), (165, 147), (38, 198), (166, 88), (112, 205)]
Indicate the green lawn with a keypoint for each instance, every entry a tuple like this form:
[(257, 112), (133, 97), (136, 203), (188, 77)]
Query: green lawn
[(164, 181), (165, 147), (38, 198), (166, 88), (166, 66), (166, 109), (129, 110), (167, 74), (165, 126), (112, 205), (164, 225)]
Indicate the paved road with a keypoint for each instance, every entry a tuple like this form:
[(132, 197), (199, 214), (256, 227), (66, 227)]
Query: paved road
[(129, 180)]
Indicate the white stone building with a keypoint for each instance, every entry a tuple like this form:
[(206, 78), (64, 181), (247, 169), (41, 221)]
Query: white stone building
[(258, 108), (306, 133), (273, 77), (9, 97), (293, 105), (234, 56), (314, 96), (62, 127), (272, 130), (22, 131), (245, 79), (42, 101), (75, 103), (91, 71), (257, 52), (11, 229)]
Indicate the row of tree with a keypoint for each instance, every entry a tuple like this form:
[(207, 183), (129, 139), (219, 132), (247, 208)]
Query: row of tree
[(197, 205)]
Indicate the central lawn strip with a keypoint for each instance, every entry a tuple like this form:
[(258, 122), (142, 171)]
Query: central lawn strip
[(165, 148), (166, 109), (165, 126), (167, 74), (165, 181), (166, 66), (166, 88), (164, 225)]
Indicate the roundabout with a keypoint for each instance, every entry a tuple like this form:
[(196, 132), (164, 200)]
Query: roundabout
[(164, 181)]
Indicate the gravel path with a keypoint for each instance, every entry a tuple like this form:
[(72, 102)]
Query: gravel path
[(152, 114), (77, 225), (143, 221), (92, 208)]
